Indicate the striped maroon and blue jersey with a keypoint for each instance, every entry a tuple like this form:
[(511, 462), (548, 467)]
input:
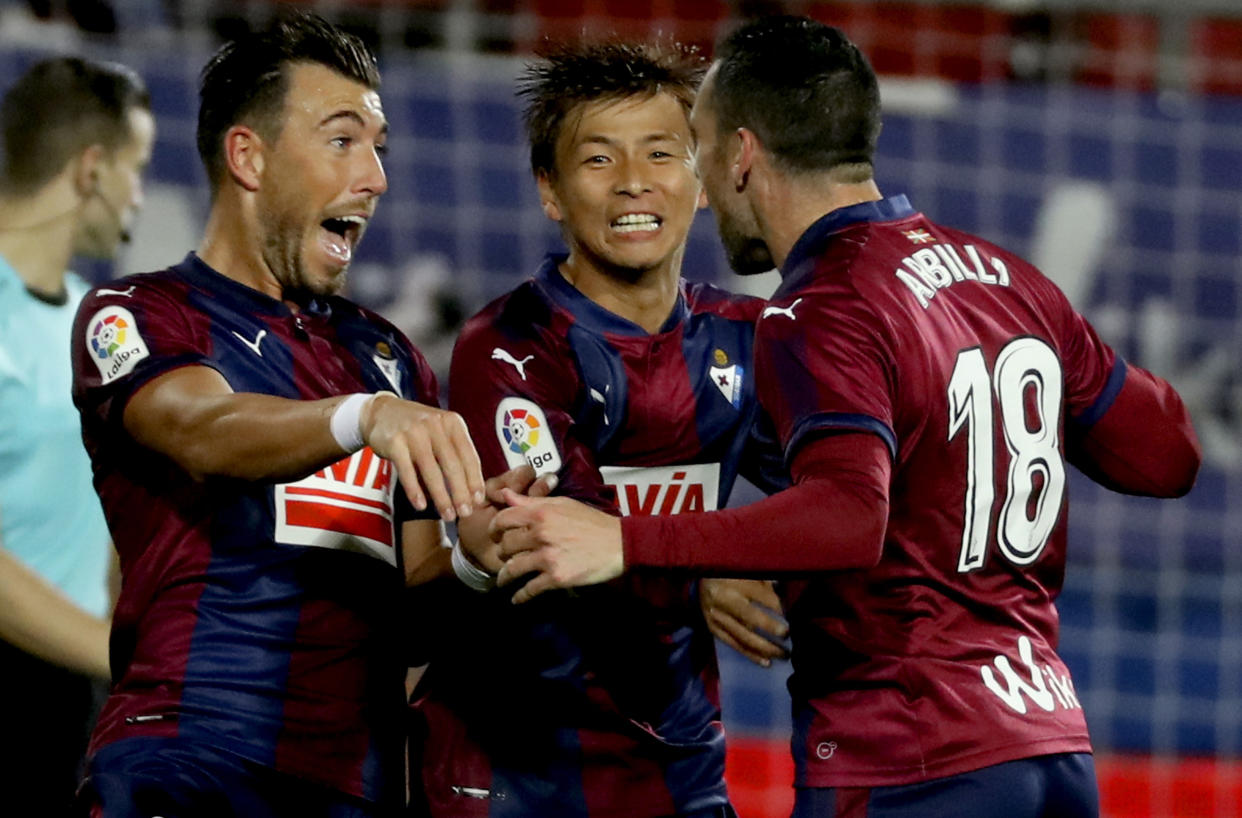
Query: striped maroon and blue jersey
[(973, 368), (601, 701), (257, 618)]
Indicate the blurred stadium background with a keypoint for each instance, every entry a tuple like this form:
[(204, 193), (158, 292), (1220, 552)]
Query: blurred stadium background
[(1102, 138)]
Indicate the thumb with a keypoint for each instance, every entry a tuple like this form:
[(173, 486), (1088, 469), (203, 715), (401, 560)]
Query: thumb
[(512, 498), (543, 486)]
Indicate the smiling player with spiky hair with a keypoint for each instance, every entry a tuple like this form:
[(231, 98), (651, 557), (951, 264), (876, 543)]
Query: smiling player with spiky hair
[(633, 386)]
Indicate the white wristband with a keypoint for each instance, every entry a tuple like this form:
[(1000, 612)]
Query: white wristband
[(346, 423), (470, 574)]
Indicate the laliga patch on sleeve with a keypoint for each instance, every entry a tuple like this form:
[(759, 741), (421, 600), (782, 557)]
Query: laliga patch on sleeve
[(524, 436), (113, 342)]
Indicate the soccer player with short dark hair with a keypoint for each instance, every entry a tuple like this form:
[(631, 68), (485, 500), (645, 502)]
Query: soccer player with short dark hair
[(258, 442), (929, 389), (634, 387), (77, 137)]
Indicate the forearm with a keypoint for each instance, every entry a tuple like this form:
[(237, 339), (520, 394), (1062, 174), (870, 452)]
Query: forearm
[(240, 435), (1143, 444), (423, 553), (37, 618), (832, 519)]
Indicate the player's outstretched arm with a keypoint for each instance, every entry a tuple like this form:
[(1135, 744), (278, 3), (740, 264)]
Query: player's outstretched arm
[(832, 519), (192, 416), (742, 614), (1144, 443)]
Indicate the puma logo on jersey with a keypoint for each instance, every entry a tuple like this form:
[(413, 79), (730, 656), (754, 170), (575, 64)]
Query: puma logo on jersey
[(254, 345), (126, 293), (647, 490), (499, 354), (788, 312)]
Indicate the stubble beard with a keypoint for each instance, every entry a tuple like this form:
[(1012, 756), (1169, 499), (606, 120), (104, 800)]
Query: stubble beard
[(747, 254), (283, 233)]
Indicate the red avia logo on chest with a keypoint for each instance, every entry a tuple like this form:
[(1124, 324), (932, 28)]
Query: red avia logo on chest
[(347, 506), (648, 490)]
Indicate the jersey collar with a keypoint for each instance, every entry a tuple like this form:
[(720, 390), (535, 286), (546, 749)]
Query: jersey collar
[(800, 261), (591, 315), (200, 272)]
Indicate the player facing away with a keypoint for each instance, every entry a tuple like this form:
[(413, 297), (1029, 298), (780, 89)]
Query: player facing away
[(634, 387), (257, 446), (929, 389)]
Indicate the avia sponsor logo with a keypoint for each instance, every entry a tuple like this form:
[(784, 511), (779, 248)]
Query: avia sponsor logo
[(524, 436), (1038, 683), (347, 506), (648, 490), (114, 343)]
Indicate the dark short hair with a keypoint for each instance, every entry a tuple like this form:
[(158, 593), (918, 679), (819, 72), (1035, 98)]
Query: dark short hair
[(804, 89), (569, 75), (247, 79), (57, 109)]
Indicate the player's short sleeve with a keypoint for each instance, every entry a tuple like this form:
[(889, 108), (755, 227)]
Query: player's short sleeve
[(823, 365), (122, 341), (517, 392)]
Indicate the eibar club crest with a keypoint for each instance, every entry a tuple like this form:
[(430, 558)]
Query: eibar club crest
[(727, 378), (387, 363)]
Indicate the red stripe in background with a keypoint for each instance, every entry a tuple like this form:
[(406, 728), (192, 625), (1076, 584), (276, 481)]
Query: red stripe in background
[(337, 495), (342, 520), (759, 772)]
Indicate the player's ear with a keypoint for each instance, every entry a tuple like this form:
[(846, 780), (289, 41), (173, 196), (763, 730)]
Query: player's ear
[(547, 196), (86, 170), (744, 148), (243, 156)]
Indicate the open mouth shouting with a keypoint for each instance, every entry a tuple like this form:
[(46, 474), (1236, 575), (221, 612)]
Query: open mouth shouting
[(340, 234)]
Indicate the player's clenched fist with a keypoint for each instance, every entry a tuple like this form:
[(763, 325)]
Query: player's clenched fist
[(431, 450)]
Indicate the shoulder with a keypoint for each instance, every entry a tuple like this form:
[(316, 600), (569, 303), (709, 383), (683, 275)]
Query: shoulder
[(516, 344), (520, 316), (139, 287), (153, 296)]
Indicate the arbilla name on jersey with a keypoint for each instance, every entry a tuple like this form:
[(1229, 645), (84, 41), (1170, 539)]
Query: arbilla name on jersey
[(648, 490), (1037, 683), (942, 265), (347, 506)]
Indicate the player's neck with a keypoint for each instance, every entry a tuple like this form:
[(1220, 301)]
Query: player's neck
[(795, 203), (37, 235), (231, 247), (645, 298)]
